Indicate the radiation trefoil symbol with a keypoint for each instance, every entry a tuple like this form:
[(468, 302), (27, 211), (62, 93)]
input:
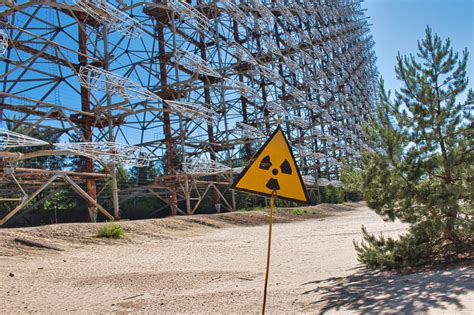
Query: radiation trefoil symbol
[(273, 170), (285, 168)]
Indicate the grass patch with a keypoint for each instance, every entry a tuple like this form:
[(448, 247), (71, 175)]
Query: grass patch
[(298, 212), (111, 230), (257, 208)]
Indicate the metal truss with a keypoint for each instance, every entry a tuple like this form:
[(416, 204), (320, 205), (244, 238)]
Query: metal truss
[(194, 165), (108, 152), (107, 14), (188, 82), (92, 77), (10, 139), (192, 110)]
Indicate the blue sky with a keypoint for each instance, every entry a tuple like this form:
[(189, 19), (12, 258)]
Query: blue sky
[(398, 24)]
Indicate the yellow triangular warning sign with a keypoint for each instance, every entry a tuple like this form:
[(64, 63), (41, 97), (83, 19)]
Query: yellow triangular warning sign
[(273, 169)]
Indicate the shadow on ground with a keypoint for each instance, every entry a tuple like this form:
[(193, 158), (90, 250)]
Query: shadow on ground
[(377, 292)]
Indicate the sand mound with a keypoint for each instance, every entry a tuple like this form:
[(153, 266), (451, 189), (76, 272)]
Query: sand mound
[(63, 236)]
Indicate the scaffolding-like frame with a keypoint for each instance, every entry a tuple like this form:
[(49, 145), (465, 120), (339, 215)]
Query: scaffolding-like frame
[(186, 81)]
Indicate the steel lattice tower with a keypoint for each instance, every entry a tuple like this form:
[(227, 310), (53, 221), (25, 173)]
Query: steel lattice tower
[(197, 85)]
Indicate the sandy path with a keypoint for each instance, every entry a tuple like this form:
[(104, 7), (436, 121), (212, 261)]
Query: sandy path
[(313, 269)]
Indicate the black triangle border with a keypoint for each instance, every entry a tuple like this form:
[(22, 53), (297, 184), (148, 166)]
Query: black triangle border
[(242, 174)]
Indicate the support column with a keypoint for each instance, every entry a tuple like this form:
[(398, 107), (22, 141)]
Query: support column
[(86, 126), (166, 121), (210, 131)]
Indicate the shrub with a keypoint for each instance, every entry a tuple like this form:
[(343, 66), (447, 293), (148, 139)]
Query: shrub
[(388, 253), (351, 178), (331, 194), (111, 230), (297, 211)]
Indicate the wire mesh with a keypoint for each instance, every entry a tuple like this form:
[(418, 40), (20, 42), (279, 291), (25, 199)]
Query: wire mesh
[(195, 165), (105, 13), (102, 80), (108, 152), (10, 139)]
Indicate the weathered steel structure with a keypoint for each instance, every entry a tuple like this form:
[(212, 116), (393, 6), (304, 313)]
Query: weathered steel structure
[(196, 85)]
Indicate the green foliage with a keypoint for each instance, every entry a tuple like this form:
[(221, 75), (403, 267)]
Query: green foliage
[(411, 249), (111, 230), (143, 175), (331, 194), (352, 180), (422, 171), (60, 201), (298, 212)]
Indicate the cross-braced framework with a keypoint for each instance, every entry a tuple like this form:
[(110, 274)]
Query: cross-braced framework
[(10, 139), (108, 152), (196, 85)]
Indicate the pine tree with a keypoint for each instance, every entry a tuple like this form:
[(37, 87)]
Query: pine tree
[(422, 172)]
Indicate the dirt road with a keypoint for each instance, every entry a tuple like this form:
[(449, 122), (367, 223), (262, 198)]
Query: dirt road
[(313, 269)]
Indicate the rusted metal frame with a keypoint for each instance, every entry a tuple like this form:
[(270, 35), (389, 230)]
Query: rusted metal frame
[(290, 51), (86, 135), (55, 113), (205, 182), (17, 8), (43, 104), (93, 43), (37, 17), (117, 46), (19, 173), (37, 203), (186, 190), (52, 43), (27, 200), (171, 16), (38, 122), (154, 193), (166, 201), (21, 109), (201, 197), (50, 90), (166, 115), (27, 65), (111, 136), (243, 100), (35, 87), (129, 197), (208, 102), (266, 113), (86, 196), (27, 22), (303, 160), (19, 122), (42, 54), (229, 206), (73, 126), (224, 109), (152, 57), (4, 84)]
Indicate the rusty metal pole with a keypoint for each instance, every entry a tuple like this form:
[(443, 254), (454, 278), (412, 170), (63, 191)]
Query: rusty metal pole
[(166, 120), (86, 126), (210, 131), (113, 171)]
